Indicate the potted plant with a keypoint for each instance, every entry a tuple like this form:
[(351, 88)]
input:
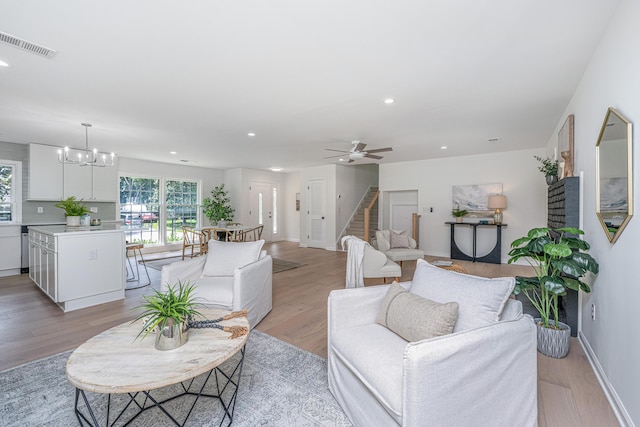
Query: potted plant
[(559, 262), (549, 168), (168, 314), (218, 207), (73, 209), (459, 213)]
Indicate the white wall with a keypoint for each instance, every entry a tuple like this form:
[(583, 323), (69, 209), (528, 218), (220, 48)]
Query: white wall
[(522, 183), (611, 80), (291, 218)]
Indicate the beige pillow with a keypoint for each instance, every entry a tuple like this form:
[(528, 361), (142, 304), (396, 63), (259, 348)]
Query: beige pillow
[(399, 240), (415, 318)]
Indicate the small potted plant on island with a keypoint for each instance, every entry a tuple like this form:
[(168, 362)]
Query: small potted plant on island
[(73, 209), (218, 207), (168, 314), (459, 213), (549, 168), (559, 262)]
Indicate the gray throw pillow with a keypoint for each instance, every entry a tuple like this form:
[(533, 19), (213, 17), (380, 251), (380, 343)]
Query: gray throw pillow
[(415, 318), (399, 240)]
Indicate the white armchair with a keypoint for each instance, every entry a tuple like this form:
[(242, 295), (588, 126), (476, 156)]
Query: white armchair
[(409, 253), (477, 376), (249, 287), (375, 264)]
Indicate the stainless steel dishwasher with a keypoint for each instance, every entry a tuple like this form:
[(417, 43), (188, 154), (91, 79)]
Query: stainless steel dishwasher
[(24, 236)]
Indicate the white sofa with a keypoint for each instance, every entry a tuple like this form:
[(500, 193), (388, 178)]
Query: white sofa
[(410, 253), (248, 288), (476, 376)]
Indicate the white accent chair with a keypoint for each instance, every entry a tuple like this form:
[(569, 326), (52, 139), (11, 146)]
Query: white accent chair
[(248, 288), (383, 243), (476, 376), (375, 264)]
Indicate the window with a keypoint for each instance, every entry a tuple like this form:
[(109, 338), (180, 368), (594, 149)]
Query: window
[(181, 200), (139, 209), (10, 191), (275, 210), (155, 209)]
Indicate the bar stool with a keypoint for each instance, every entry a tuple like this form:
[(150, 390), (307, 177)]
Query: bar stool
[(135, 277)]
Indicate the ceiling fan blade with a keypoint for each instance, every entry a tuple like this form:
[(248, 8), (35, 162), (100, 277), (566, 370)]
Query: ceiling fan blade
[(372, 156), (360, 146), (333, 157), (339, 151), (380, 150)]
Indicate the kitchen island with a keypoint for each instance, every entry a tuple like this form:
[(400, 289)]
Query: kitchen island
[(78, 267)]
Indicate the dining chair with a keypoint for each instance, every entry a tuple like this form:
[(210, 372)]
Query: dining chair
[(253, 234), (190, 240), (215, 233)]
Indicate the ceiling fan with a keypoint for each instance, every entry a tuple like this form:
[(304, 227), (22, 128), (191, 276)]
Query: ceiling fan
[(358, 152)]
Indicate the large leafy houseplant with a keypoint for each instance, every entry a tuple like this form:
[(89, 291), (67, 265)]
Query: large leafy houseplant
[(72, 207), (559, 260), (168, 309), (218, 206)]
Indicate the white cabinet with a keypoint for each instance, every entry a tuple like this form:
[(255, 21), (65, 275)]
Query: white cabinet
[(105, 184), (51, 180), (43, 263), (45, 173), (77, 181), (10, 249), (80, 268)]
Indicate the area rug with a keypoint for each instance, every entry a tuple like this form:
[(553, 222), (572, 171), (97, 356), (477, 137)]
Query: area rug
[(157, 264), (281, 385), (282, 265)]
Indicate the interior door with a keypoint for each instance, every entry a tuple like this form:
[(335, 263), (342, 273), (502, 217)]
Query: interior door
[(261, 208), (317, 212)]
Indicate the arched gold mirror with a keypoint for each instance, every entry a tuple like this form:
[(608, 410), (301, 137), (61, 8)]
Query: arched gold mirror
[(614, 174)]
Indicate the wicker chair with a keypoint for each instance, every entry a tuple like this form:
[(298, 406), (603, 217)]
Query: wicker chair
[(191, 239)]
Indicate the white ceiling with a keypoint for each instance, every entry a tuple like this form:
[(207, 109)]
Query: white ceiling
[(154, 76)]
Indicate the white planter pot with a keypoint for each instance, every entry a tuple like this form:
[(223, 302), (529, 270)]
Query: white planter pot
[(73, 221), (553, 342)]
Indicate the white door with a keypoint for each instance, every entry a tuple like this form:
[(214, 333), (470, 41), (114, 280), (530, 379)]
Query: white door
[(401, 216), (317, 212), (261, 208)]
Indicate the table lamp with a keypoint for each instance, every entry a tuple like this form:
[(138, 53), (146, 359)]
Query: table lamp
[(497, 202)]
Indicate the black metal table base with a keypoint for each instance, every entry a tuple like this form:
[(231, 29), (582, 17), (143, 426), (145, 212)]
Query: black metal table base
[(224, 382), (492, 257)]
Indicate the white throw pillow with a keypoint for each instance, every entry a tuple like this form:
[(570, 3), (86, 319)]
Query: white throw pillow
[(480, 300), (224, 257)]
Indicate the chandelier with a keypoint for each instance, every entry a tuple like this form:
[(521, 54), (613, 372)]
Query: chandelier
[(86, 157)]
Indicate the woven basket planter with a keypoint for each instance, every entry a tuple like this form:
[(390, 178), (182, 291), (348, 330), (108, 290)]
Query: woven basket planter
[(553, 342)]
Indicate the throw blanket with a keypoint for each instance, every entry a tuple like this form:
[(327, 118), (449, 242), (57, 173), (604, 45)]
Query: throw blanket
[(355, 255)]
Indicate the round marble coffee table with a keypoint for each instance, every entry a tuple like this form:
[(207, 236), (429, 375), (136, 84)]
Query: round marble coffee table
[(114, 362)]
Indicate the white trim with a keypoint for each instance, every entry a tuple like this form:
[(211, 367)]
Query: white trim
[(610, 393), (16, 191)]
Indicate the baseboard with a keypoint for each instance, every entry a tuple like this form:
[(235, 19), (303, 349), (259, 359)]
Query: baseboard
[(614, 400), (10, 272)]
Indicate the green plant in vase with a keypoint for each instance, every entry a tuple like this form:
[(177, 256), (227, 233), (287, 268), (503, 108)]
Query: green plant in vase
[(218, 207), (73, 209), (559, 261), (549, 169), (168, 313), (459, 213)]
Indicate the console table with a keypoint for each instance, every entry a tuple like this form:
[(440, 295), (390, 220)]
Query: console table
[(492, 257)]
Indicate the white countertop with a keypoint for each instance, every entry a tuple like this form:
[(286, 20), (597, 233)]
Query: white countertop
[(63, 229)]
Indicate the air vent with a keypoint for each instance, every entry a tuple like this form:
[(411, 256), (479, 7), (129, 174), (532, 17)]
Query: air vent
[(26, 45)]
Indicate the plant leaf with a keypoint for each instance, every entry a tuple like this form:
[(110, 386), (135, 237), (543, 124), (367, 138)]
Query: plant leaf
[(557, 250), (586, 261), (554, 284), (568, 267)]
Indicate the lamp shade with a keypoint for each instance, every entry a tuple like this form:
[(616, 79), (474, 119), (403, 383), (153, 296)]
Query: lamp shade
[(497, 201)]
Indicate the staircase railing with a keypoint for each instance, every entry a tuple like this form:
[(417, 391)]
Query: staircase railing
[(367, 218)]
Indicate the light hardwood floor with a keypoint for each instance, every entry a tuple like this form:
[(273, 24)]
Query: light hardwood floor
[(32, 327)]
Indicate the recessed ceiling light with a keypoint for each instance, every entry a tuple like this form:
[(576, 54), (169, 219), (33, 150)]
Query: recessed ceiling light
[(276, 169), (3, 64), (341, 160), (251, 134), (389, 101), (173, 152), (444, 147)]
